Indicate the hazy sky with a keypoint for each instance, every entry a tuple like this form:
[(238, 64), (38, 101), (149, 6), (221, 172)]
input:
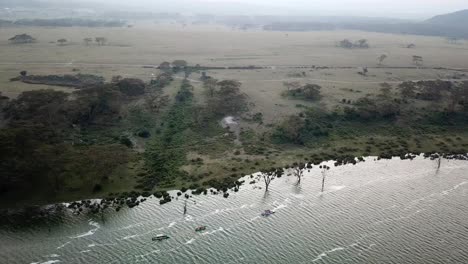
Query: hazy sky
[(387, 8)]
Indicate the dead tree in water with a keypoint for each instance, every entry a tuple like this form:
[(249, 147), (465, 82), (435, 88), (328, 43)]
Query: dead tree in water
[(324, 169), (299, 172), (270, 175)]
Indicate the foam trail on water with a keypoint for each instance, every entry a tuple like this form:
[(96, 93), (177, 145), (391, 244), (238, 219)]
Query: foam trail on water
[(324, 254), (52, 256), (51, 261), (90, 232), (62, 246), (129, 237), (190, 241)]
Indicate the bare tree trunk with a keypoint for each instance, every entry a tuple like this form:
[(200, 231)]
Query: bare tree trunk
[(298, 173), (323, 180), (267, 182)]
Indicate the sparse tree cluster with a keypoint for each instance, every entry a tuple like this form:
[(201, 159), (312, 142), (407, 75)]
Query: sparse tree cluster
[(455, 94), (176, 66), (163, 79), (348, 44), (308, 92), (22, 39)]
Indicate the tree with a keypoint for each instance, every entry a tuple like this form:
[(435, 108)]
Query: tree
[(94, 105), (162, 80), (155, 101), (228, 99), (165, 66), (456, 96), (298, 172), (291, 129), (381, 58), (432, 90), (87, 41), (62, 41), (131, 86), (407, 89), (362, 43), (417, 60), (270, 175), (311, 91), (452, 40), (292, 85), (39, 107), (116, 79), (22, 39), (385, 90), (345, 43), (210, 85), (101, 41), (324, 169), (179, 63)]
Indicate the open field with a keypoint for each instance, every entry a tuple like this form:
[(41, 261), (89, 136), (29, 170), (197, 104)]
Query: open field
[(210, 45), (129, 49)]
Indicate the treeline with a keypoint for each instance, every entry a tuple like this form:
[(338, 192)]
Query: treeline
[(55, 142), (427, 29), (68, 80), (64, 22)]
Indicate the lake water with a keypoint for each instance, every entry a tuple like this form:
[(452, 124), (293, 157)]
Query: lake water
[(387, 211)]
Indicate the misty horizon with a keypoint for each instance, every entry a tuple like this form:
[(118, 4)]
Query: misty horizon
[(414, 10)]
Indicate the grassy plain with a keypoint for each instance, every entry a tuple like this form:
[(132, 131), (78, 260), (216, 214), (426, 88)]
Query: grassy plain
[(129, 50)]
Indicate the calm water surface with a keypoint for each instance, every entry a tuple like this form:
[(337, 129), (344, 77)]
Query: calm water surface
[(388, 211)]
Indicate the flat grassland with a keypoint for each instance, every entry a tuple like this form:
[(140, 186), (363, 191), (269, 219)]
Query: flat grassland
[(285, 56)]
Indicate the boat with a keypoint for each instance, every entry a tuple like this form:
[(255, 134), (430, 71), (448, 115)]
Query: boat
[(267, 213), (200, 228), (160, 237)]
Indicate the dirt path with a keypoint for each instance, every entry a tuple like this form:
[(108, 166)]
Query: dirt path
[(332, 81), (229, 67)]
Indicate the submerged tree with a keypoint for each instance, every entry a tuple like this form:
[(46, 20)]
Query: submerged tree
[(298, 172), (324, 169), (270, 175)]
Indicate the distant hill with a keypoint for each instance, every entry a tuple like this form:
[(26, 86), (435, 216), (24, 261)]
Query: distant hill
[(454, 19), (453, 25)]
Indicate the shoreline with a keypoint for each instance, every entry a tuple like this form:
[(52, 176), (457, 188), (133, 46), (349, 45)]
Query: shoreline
[(98, 205)]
